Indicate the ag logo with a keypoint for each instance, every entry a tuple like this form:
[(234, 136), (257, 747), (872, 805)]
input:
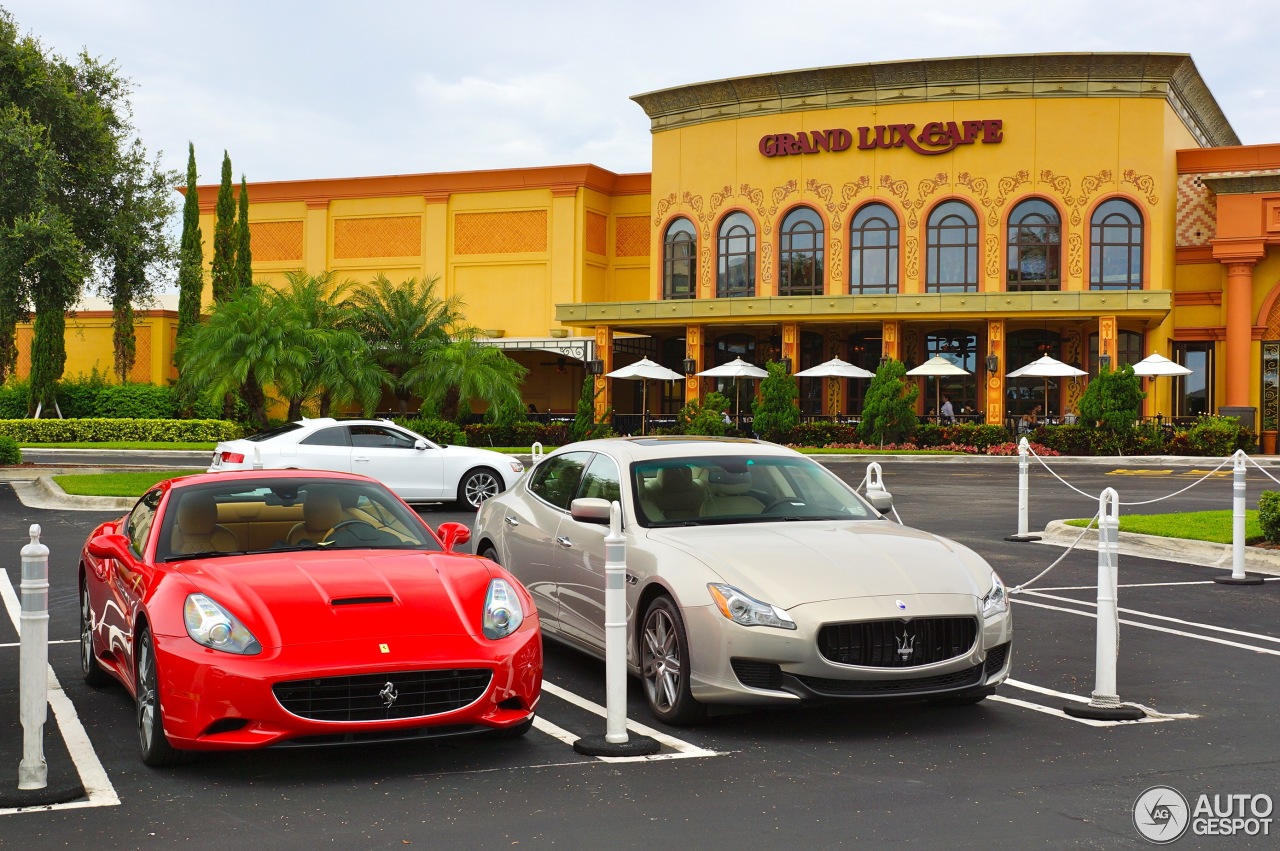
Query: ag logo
[(1161, 814)]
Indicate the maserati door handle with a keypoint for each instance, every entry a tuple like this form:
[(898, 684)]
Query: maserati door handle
[(563, 541), (510, 521)]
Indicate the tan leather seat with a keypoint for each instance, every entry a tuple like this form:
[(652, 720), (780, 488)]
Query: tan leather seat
[(730, 495), (676, 494), (198, 530), (321, 511)]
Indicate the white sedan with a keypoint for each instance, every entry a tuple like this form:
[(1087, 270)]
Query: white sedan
[(405, 461)]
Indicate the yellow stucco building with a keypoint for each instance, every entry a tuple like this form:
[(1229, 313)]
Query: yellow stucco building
[(986, 209)]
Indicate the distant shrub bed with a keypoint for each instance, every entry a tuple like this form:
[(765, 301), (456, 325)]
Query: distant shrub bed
[(97, 429)]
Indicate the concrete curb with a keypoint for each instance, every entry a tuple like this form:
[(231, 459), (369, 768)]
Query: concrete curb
[(1181, 550), (43, 492)]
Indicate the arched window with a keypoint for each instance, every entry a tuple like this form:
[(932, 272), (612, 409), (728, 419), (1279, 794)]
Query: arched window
[(736, 275), (800, 254), (1035, 247), (952, 249), (680, 260), (873, 251), (1115, 246)]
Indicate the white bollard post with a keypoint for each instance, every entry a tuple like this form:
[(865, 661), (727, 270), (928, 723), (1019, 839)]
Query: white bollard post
[(536, 452), (1105, 702), (1024, 488), (33, 664), (616, 741), (1238, 576)]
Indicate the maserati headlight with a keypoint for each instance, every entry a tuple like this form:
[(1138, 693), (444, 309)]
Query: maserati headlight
[(213, 626), (748, 611), (995, 602), (502, 611)]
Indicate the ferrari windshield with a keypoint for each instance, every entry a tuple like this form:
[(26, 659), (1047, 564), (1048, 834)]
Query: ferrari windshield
[(288, 513), (740, 489)]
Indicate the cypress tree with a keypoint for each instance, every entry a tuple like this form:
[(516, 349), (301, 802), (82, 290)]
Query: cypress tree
[(224, 260), (244, 255), (191, 254)]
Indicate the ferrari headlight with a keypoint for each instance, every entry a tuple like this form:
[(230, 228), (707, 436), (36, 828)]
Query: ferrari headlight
[(213, 626), (996, 601), (748, 611), (502, 611)]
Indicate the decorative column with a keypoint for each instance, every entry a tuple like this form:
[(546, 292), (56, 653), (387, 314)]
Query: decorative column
[(1107, 340), (693, 350), (315, 236), (790, 347), (891, 339), (603, 388), (995, 378), (1239, 310), (833, 400)]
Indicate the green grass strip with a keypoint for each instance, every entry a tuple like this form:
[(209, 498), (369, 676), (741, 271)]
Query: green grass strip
[(115, 484), (119, 444), (1212, 526)]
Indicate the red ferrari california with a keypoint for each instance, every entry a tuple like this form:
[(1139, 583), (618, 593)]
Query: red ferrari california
[(259, 608)]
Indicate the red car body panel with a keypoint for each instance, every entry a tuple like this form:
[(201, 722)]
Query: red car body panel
[(397, 611)]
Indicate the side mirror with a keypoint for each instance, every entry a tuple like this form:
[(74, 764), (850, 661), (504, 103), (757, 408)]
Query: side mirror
[(880, 500), (452, 534), (109, 546), (419, 444), (590, 509)]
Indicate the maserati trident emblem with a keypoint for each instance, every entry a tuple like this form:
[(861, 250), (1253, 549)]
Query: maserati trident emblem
[(906, 646), (389, 694)]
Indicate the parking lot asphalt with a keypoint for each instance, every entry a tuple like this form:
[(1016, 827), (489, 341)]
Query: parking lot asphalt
[(1013, 770)]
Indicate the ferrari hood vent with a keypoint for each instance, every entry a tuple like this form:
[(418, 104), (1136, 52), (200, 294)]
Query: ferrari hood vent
[(362, 601)]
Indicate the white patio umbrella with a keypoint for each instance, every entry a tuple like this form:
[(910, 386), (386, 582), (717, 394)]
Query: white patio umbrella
[(1154, 366), (1046, 368), (645, 369), (735, 369), (938, 366), (835, 368)]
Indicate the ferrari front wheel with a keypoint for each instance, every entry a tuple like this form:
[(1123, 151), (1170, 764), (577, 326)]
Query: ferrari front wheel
[(152, 742), (665, 665)]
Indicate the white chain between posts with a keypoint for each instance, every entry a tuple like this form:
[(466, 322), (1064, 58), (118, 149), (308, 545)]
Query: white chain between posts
[(1018, 588)]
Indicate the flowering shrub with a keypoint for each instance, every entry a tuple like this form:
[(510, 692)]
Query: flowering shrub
[(1012, 449)]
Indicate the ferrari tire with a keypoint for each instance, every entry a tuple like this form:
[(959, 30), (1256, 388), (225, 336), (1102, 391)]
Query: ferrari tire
[(90, 669), (153, 744), (475, 487), (665, 665)]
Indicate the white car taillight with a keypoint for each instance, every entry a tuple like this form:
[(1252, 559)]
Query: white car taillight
[(232, 458)]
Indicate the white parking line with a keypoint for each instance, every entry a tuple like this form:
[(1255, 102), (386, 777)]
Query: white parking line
[(1265, 650), (93, 776), (683, 749), (1141, 614)]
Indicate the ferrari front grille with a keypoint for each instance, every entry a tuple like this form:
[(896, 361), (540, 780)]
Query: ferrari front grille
[(383, 697), (897, 643)]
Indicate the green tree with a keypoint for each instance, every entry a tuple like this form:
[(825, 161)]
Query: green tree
[(66, 149), (889, 408), (247, 345), (1111, 403), (403, 325), (706, 417), (463, 369), (139, 251), (585, 426), (191, 253), (244, 254), (341, 370), (777, 410), (224, 247)]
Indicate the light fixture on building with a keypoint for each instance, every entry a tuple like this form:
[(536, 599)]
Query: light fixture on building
[(993, 363), (1104, 363), (690, 366), (594, 366), (786, 365)]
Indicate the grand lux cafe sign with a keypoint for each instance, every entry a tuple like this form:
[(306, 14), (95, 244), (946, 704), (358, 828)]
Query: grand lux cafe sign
[(936, 137)]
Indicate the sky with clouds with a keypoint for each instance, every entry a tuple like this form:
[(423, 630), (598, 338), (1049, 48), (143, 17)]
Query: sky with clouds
[(297, 90)]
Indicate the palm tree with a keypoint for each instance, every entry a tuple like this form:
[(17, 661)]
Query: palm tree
[(464, 370), (342, 369), (404, 325), (246, 346)]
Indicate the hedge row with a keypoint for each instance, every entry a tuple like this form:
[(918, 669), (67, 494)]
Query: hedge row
[(94, 398), (101, 430)]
